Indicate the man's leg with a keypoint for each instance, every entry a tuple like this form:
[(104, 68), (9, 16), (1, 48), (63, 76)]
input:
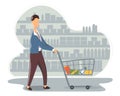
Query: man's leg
[(32, 68), (43, 68)]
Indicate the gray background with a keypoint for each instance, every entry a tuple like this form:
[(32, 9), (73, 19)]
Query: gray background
[(86, 43)]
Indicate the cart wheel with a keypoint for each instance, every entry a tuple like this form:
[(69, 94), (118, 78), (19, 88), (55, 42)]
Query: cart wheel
[(87, 87), (71, 87)]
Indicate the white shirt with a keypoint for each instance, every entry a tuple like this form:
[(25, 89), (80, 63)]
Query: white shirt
[(36, 34)]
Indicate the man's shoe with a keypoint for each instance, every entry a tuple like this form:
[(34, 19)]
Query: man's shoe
[(47, 87), (29, 88)]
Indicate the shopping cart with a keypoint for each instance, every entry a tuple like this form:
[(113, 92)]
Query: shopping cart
[(77, 67)]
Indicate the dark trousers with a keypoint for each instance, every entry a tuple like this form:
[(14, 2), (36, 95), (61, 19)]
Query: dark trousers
[(37, 59)]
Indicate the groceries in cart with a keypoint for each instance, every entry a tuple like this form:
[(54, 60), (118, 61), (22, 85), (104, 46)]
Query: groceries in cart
[(70, 71), (83, 71), (67, 69), (74, 72), (86, 71)]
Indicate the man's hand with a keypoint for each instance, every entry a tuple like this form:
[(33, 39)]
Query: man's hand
[(55, 51)]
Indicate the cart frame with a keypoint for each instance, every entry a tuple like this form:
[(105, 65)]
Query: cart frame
[(72, 86)]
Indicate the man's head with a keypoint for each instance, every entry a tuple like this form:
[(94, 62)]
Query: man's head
[(35, 20)]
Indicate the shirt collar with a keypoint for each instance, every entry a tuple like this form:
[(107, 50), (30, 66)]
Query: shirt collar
[(36, 33)]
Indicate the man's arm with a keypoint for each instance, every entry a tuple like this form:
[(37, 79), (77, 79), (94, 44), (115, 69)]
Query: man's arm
[(37, 42), (54, 50), (45, 44)]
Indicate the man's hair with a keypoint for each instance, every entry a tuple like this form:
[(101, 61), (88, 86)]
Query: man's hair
[(34, 16)]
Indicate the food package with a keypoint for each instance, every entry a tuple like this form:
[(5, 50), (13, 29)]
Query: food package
[(74, 72), (82, 71), (88, 72), (67, 69)]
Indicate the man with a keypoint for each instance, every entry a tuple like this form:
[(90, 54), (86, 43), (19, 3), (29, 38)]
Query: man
[(36, 57)]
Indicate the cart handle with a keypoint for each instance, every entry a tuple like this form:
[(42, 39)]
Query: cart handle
[(58, 53)]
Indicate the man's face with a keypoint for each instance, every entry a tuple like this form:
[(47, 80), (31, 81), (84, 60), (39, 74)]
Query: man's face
[(35, 22)]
